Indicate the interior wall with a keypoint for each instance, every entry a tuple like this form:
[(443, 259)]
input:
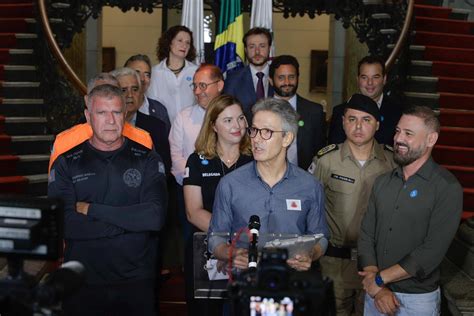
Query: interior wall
[(131, 33)]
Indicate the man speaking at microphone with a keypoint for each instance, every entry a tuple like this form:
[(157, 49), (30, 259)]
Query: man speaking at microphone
[(287, 199)]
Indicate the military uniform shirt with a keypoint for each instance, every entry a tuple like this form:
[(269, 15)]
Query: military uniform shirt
[(347, 187)]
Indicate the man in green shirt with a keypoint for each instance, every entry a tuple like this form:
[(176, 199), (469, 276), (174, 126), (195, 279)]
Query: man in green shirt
[(412, 217), (347, 172)]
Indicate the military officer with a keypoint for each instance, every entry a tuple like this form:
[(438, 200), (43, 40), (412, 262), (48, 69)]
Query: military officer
[(347, 172)]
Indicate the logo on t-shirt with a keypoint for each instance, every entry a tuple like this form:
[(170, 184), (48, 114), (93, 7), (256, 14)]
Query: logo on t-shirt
[(293, 205), (132, 177)]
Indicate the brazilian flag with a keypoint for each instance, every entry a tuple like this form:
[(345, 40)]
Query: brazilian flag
[(229, 48)]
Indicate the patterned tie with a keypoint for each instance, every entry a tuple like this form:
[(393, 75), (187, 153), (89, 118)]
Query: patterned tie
[(260, 91)]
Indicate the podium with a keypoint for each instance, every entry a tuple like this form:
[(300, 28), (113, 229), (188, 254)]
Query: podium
[(204, 288)]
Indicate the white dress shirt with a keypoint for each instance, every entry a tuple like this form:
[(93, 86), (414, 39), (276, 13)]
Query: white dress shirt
[(145, 108), (172, 91), (265, 71), (183, 134)]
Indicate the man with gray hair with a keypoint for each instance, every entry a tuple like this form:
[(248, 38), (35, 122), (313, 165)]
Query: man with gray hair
[(287, 199), (114, 195), (130, 83)]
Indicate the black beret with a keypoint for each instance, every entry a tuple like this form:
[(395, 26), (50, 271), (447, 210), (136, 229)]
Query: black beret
[(363, 103)]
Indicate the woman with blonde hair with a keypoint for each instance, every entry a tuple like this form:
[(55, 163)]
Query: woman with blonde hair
[(222, 146)]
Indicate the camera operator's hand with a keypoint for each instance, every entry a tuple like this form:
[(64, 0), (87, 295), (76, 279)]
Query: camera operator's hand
[(241, 258), (300, 262)]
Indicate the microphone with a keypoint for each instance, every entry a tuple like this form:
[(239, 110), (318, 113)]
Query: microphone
[(254, 226), (61, 283)]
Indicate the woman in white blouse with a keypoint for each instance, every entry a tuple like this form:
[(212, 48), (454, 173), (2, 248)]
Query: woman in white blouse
[(172, 77)]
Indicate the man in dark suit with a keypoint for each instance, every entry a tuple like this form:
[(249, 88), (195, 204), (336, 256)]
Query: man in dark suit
[(283, 76), (371, 79), (131, 87), (250, 83), (142, 65)]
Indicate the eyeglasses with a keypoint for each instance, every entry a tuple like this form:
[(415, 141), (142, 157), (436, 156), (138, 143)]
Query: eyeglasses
[(265, 133), (202, 85)]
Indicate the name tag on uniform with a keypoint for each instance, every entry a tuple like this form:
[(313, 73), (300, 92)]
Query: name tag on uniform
[(342, 178), (293, 205)]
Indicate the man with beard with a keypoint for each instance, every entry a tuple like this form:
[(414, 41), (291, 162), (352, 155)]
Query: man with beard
[(412, 217), (371, 78), (283, 76), (347, 172), (130, 84), (250, 83)]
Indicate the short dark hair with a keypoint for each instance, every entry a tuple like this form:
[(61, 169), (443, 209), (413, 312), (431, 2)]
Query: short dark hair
[(216, 73), (283, 60), (371, 60), (164, 43), (258, 31), (138, 57), (425, 113)]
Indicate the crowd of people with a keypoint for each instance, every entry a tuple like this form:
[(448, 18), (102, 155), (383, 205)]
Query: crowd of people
[(180, 138)]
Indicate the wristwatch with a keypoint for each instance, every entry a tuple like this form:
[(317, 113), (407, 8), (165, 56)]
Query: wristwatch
[(379, 280)]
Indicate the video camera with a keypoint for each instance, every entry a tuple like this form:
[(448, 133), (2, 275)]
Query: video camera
[(32, 228), (276, 289)]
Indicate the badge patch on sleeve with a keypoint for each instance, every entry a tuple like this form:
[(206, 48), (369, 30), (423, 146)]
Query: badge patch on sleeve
[(342, 178), (293, 205), (186, 172)]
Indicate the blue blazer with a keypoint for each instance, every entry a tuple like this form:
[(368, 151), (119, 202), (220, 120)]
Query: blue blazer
[(239, 84)]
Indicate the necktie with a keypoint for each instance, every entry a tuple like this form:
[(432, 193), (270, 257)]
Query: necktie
[(260, 91)]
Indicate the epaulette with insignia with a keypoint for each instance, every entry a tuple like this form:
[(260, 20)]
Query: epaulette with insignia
[(387, 147), (326, 150)]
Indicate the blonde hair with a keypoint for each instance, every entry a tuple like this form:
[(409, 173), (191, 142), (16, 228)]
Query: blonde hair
[(206, 142)]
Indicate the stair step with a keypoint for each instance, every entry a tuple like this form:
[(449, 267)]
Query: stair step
[(444, 25), (443, 39), (19, 89), (25, 125), (456, 101), (452, 155), (16, 56), (455, 85), (18, 73), (465, 175), (420, 98), (21, 107), (13, 184), (19, 40), (456, 136), (23, 164), (31, 144), (37, 184), (435, 53), (421, 83), (468, 202), (431, 11), (429, 2), (23, 10), (456, 118)]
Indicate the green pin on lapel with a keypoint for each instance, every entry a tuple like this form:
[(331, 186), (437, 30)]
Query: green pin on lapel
[(300, 123)]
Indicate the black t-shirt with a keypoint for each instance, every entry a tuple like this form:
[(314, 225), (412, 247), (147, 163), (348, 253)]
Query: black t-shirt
[(206, 173)]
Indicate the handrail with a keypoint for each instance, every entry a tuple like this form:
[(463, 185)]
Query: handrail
[(402, 38), (70, 74)]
